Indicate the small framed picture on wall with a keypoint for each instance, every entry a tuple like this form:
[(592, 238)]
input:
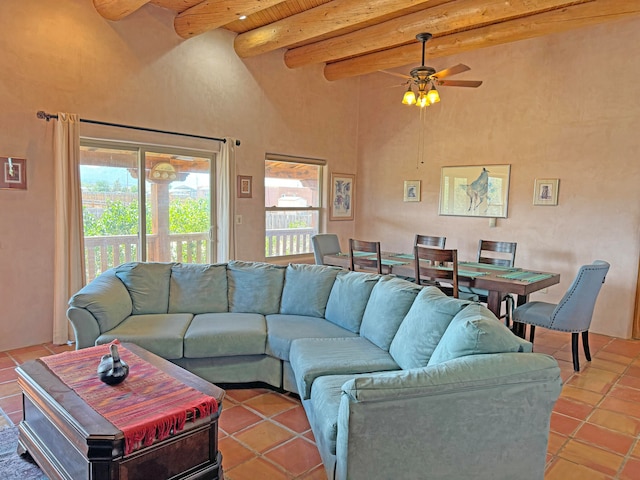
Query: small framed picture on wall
[(244, 186), (14, 173), (545, 191)]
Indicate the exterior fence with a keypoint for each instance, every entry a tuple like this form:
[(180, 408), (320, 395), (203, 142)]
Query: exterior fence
[(289, 241), (105, 252)]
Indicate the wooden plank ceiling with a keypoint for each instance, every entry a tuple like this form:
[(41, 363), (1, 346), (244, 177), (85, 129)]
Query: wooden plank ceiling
[(356, 37)]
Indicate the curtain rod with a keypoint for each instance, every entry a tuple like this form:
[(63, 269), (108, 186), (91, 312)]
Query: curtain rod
[(48, 116)]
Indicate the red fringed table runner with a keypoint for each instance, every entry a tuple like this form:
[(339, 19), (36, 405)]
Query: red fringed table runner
[(148, 405)]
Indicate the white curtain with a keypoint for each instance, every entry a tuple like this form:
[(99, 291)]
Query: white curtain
[(226, 192), (68, 276)]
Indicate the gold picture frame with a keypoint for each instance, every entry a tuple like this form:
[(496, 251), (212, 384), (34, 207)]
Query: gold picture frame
[(545, 191), (343, 193)]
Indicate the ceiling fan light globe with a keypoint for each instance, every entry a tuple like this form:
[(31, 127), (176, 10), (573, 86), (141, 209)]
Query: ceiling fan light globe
[(433, 96), (423, 100), (409, 97)]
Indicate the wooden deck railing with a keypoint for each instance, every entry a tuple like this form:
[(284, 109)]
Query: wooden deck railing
[(103, 253), (288, 241)]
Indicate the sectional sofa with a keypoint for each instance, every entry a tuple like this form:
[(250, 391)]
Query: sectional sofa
[(397, 380)]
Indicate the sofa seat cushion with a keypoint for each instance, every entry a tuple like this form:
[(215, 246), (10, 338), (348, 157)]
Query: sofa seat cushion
[(161, 334), (306, 289), (474, 331), (254, 287), (423, 327), (196, 288), (390, 301), (148, 285), (325, 400), (314, 357), (283, 329), (225, 334), (349, 297)]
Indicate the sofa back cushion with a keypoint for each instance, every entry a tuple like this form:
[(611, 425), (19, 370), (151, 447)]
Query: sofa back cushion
[(348, 299), (148, 285), (306, 289), (475, 330), (423, 327), (196, 288), (389, 302), (254, 287)]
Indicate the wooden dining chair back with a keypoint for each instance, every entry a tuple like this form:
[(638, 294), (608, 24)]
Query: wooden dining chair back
[(429, 263), (368, 262), (502, 254), (430, 241), (497, 253), (324, 244)]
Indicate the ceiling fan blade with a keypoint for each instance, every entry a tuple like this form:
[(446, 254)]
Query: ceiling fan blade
[(460, 83), (406, 77), (447, 72)]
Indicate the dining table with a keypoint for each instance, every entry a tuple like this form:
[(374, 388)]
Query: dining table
[(496, 279)]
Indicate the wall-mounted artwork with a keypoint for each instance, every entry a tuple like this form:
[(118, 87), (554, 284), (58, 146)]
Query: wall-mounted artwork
[(412, 190), (475, 191), (545, 191), (244, 186), (14, 173), (342, 195)]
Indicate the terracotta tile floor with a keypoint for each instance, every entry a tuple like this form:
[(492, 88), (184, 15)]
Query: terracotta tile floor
[(595, 425)]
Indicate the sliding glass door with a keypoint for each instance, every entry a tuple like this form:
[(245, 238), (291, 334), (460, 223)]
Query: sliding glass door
[(173, 185)]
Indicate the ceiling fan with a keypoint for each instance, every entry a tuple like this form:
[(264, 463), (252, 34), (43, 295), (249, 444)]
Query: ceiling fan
[(426, 78)]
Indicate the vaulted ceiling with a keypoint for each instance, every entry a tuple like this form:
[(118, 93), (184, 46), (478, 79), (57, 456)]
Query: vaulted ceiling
[(356, 37)]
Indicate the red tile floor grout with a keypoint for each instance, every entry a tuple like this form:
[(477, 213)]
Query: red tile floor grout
[(595, 425)]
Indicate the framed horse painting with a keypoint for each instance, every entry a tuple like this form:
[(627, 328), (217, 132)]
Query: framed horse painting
[(475, 191)]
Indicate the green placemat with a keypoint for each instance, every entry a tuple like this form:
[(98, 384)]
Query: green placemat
[(363, 254), (488, 266), (388, 262), (465, 273), (529, 277), (408, 256)]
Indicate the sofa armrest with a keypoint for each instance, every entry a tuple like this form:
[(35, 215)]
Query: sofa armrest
[(98, 307), (480, 416)]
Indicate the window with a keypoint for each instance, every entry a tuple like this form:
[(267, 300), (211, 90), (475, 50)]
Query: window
[(173, 226), (293, 202)]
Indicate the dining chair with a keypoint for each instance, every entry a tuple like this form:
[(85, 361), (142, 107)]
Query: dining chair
[(430, 241), (502, 254), (324, 244), (365, 262), (428, 266), (574, 311)]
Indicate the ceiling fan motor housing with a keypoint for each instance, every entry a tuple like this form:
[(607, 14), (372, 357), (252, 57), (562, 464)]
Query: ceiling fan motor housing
[(422, 73)]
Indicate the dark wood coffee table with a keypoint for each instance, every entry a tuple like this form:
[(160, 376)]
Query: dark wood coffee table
[(69, 440)]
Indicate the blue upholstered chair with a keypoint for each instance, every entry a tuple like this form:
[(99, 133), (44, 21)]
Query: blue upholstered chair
[(574, 311), (324, 244)]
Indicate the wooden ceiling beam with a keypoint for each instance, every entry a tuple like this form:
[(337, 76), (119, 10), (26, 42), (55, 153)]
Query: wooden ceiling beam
[(440, 20), (117, 9), (315, 22), (576, 16), (211, 14)]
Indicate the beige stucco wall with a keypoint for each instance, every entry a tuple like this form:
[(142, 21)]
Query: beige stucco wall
[(62, 56), (564, 106), (537, 111)]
